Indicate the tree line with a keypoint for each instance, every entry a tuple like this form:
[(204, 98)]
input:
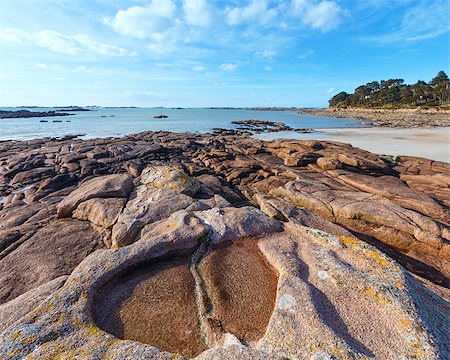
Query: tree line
[(394, 93)]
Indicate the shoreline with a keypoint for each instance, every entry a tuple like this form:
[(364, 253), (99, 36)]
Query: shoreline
[(392, 118), (430, 143)]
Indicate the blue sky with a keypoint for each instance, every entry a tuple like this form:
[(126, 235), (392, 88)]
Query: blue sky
[(213, 53)]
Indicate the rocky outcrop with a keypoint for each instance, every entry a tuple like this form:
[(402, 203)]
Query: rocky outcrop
[(27, 114), (319, 296), (242, 248), (261, 126), (15, 309), (101, 187), (53, 251)]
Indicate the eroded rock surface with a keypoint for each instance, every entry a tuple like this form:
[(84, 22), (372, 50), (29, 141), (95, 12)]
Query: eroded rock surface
[(300, 293), (53, 251), (153, 304), (179, 213), (241, 287)]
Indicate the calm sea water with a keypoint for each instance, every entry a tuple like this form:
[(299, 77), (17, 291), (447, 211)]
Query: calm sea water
[(111, 122)]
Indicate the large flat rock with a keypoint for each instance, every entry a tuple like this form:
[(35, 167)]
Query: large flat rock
[(331, 297), (53, 251), (109, 186)]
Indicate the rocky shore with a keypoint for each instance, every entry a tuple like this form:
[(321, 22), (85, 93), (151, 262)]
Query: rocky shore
[(398, 118), (28, 114), (221, 246)]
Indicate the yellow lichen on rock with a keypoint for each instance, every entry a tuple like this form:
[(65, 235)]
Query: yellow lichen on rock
[(371, 292), (405, 324), (381, 260), (348, 241)]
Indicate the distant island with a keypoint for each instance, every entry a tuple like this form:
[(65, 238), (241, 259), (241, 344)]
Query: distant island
[(73, 108), (394, 94), (28, 114)]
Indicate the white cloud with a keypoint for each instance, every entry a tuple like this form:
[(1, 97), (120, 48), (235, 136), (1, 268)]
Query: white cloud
[(99, 48), (330, 90), (48, 39), (145, 22), (228, 67), (425, 21), (198, 12), (325, 15), (59, 78), (199, 68), (2, 76), (57, 42), (256, 10), (268, 68), (267, 54)]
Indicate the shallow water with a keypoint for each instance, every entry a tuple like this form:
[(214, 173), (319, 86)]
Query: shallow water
[(99, 123)]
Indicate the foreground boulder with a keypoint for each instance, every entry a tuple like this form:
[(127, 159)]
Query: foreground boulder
[(100, 187), (298, 293), (45, 256)]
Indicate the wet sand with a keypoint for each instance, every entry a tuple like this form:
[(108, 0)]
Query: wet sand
[(428, 143)]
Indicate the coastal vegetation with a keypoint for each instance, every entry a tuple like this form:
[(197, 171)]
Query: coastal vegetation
[(394, 93)]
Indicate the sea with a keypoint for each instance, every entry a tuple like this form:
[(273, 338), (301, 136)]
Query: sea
[(116, 122)]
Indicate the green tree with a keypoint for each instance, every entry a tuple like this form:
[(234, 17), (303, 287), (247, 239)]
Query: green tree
[(406, 95), (373, 86), (441, 88), (394, 92), (339, 99), (393, 95), (362, 93), (421, 91)]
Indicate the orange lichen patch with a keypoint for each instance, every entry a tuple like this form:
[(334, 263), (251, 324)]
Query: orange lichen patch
[(62, 351), (405, 323), (28, 340), (371, 292), (17, 335), (338, 353), (417, 350), (377, 257), (348, 241), (92, 330)]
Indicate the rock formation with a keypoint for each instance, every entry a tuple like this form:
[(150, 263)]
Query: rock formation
[(28, 114), (220, 246)]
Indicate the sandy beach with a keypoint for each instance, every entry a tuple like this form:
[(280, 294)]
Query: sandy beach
[(392, 118), (429, 143)]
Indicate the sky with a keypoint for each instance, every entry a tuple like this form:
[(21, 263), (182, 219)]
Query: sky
[(200, 53)]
